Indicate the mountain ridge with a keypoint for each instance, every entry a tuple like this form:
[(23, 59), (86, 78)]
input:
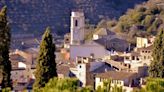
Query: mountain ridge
[(32, 16)]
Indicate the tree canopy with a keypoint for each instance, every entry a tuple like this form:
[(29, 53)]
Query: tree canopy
[(5, 64), (157, 65), (46, 65)]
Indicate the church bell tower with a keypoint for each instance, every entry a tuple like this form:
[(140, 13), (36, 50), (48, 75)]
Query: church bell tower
[(77, 27)]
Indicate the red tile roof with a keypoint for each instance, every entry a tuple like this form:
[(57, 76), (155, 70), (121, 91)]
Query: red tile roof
[(116, 75)]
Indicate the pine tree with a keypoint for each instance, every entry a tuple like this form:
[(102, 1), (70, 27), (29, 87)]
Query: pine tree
[(46, 66), (5, 64), (157, 65)]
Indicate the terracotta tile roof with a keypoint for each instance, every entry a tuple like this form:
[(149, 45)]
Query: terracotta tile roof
[(63, 69), (135, 54), (116, 75), (16, 57), (146, 48)]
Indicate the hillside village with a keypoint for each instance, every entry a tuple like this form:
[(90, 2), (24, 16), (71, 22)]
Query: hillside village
[(106, 56)]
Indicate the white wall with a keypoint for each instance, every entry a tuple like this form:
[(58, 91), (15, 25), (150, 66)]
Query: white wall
[(95, 36), (21, 65), (82, 73), (98, 83), (77, 32), (142, 42), (86, 51)]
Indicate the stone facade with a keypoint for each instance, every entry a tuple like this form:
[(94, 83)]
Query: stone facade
[(77, 27)]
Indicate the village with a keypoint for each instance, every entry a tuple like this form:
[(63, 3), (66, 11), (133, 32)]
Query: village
[(105, 56)]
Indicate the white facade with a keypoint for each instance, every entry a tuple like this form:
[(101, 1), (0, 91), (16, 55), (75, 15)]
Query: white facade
[(96, 36), (87, 50), (22, 65), (99, 82), (82, 73), (83, 70), (77, 27), (142, 42)]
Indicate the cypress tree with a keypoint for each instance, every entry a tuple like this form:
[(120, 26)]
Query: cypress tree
[(156, 68), (5, 64), (46, 66)]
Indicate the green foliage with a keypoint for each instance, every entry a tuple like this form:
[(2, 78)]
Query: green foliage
[(85, 89), (145, 17), (154, 9), (63, 85), (107, 85), (148, 20), (157, 65), (117, 89), (102, 24), (8, 89), (153, 85), (141, 9), (46, 66), (5, 64), (138, 17), (111, 23)]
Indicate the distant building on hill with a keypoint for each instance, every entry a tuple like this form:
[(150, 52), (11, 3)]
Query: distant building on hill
[(144, 42)]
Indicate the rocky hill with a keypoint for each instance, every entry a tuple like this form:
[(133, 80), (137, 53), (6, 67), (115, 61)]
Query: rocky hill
[(146, 19), (32, 16)]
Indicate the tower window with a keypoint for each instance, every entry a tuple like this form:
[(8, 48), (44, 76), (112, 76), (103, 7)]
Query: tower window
[(76, 23)]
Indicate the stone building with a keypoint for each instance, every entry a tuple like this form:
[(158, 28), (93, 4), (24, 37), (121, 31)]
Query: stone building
[(125, 80), (86, 68), (144, 42), (77, 27)]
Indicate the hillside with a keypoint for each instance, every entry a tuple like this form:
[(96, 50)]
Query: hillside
[(144, 20), (28, 16)]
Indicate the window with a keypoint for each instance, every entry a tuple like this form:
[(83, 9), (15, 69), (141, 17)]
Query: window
[(79, 61), (76, 23), (127, 58), (138, 58), (133, 57), (148, 57)]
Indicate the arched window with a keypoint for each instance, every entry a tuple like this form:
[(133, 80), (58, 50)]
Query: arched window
[(76, 23)]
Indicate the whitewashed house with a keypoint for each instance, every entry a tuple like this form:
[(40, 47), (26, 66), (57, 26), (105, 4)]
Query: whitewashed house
[(125, 80), (86, 68)]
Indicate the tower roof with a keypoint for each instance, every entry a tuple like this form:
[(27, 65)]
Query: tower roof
[(77, 13)]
